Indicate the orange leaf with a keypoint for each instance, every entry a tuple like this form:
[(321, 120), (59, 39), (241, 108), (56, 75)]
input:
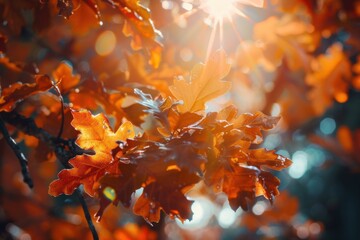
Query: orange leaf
[(263, 157), (161, 194), (64, 78), (18, 91), (330, 79), (204, 83), (96, 135), (149, 210)]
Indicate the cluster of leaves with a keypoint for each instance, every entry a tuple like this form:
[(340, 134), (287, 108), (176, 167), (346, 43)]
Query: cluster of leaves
[(159, 138), (296, 39), (312, 47), (181, 147)]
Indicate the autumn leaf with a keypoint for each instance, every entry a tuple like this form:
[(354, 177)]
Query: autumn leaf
[(64, 77), (159, 195), (267, 158), (12, 13), (65, 7), (94, 7), (119, 188), (330, 78), (284, 209), (92, 94), (159, 78), (95, 135), (12, 73), (234, 166), (19, 91), (204, 83), (139, 25), (251, 125), (281, 38)]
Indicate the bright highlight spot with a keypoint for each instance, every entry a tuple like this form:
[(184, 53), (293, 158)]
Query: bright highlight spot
[(187, 6), (316, 156), (105, 43), (275, 109), (109, 193), (219, 9), (327, 126), (341, 97), (201, 209), (272, 141), (284, 153), (302, 232), (186, 54), (167, 5), (299, 165), (259, 208), (226, 217), (315, 228)]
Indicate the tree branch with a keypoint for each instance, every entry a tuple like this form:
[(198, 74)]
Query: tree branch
[(64, 149), (22, 159), (26, 125), (87, 214)]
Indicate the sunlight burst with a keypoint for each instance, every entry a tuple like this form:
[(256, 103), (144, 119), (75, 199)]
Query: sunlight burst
[(219, 10)]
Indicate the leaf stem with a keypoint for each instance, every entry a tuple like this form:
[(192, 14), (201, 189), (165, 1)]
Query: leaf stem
[(62, 110)]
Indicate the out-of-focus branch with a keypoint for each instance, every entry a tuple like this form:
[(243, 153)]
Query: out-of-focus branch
[(22, 159), (65, 149), (26, 125)]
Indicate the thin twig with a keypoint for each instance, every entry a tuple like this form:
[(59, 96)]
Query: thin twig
[(22, 159), (87, 214), (62, 110), (27, 125), (64, 150)]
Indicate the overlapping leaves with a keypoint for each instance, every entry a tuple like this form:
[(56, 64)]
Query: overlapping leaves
[(18, 84), (96, 136), (181, 147)]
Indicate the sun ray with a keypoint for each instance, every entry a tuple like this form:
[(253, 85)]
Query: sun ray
[(217, 13), (246, 55), (220, 10), (221, 30), (211, 41)]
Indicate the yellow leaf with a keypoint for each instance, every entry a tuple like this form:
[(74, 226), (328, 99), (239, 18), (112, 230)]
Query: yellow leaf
[(204, 83)]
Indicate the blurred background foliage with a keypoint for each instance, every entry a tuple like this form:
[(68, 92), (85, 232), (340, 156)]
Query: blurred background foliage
[(295, 58)]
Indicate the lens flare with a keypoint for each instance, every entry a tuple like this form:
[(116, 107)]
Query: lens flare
[(221, 9), (218, 9)]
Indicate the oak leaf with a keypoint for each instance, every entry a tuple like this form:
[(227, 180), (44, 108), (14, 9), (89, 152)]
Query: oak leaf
[(282, 38), (161, 195), (204, 83), (19, 91), (284, 209), (330, 79), (140, 27), (96, 135), (64, 77)]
